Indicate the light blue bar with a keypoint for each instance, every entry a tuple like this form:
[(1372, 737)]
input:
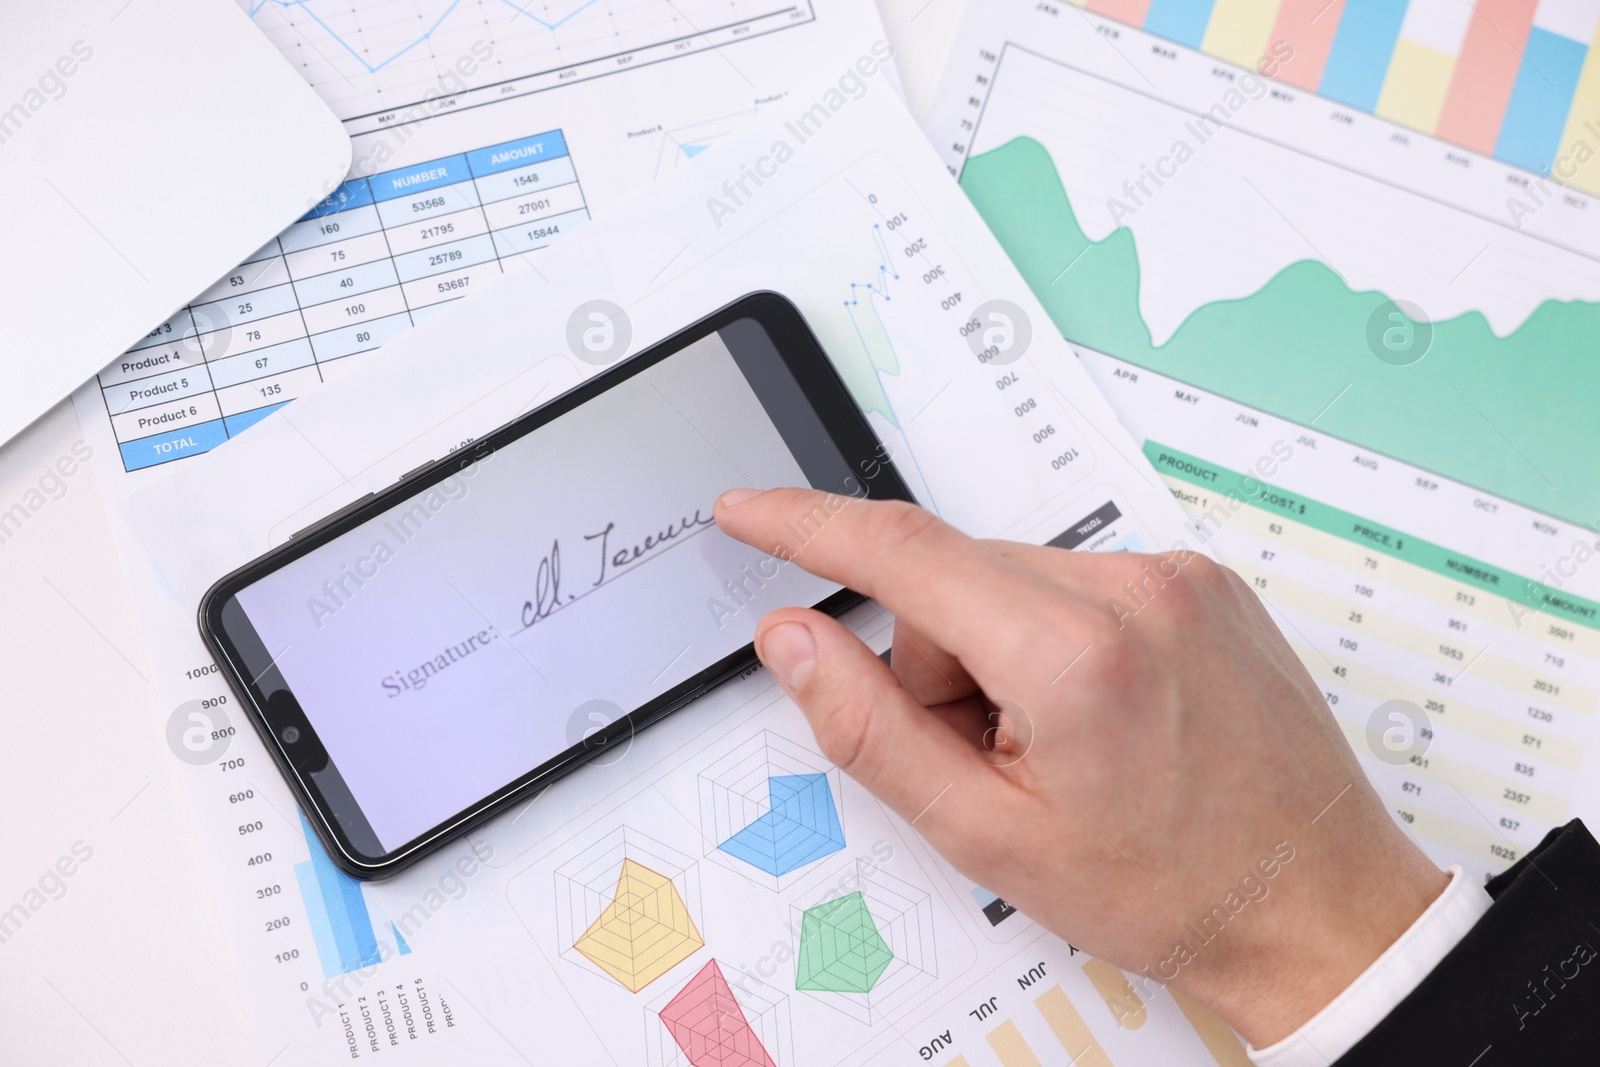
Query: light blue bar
[(1183, 21), (347, 909), (514, 240), (317, 912), (409, 181), (399, 939), (363, 278), (1530, 136), (514, 154), (240, 368), (174, 444), (1362, 50)]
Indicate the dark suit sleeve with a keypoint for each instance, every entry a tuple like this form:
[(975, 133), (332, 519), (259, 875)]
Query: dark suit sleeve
[(1523, 987)]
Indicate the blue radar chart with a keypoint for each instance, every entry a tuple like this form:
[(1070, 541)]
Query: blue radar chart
[(801, 826)]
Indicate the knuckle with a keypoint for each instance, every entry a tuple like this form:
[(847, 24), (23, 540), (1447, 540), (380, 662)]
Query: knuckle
[(844, 734), (1193, 582), (1205, 571), (1115, 659)]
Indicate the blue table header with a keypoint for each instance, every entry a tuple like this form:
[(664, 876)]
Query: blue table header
[(351, 194), (393, 184), (408, 181), (514, 154)]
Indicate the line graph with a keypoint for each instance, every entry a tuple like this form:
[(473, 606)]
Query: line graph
[(372, 68), (520, 11), (376, 62)]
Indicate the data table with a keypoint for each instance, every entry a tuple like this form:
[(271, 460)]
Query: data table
[(379, 255)]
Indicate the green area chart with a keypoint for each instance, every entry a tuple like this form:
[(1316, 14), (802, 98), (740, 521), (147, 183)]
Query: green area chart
[(1514, 415)]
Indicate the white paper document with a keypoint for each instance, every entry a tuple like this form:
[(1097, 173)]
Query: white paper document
[(1360, 363), (482, 133), (638, 912), (143, 149)]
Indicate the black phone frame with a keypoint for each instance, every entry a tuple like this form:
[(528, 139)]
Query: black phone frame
[(874, 477)]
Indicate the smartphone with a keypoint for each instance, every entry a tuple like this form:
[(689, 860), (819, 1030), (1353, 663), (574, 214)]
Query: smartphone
[(439, 651)]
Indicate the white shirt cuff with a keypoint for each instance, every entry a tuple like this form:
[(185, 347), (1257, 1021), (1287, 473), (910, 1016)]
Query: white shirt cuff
[(1365, 1003)]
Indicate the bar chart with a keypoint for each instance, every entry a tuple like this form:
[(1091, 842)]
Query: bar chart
[(1049, 1025), (1517, 80), (348, 937)]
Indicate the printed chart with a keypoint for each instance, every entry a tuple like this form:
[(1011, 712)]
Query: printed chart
[(866, 944), (627, 906), (769, 809), (1403, 488), (709, 1023), (679, 144), (583, 926), (867, 958), (375, 58), (1468, 689), (351, 932), (377, 256), (1514, 79), (1267, 276)]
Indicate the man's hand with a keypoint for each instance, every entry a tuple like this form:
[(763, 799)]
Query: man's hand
[(1164, 787)]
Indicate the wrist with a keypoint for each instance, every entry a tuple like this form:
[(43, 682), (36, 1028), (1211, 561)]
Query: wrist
[(1312, 938)]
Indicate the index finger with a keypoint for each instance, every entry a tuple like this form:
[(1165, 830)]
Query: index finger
[(949, 586)]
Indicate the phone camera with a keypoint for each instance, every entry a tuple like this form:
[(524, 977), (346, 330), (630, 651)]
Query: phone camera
[(291, 734)]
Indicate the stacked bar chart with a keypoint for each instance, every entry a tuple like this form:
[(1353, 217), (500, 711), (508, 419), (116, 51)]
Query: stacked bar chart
[(1517, 80), (347, 936)]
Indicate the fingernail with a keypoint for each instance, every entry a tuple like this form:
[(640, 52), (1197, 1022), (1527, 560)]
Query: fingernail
[(737, 496), (789, 651)]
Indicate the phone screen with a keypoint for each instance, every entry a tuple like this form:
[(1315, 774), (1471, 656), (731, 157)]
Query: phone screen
[(454, 642)]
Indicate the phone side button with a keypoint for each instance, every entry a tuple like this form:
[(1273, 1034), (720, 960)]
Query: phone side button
[(356, 503)]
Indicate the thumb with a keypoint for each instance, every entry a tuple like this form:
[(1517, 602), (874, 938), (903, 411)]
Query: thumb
[(864, 720)]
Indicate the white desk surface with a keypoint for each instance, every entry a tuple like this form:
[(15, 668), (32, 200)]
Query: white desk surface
[(129, 966)]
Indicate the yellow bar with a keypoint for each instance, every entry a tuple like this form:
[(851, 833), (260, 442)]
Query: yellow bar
[(1008, 1043), (1239, 29), (1414, 89), (1115, 989), (959, 1061), (1218, 1038), (1070, 1029), (1578, 162)]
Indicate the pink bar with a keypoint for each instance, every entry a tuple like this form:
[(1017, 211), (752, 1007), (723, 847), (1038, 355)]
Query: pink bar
[(1485, 71), (1307, 26), (1128, 12)]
